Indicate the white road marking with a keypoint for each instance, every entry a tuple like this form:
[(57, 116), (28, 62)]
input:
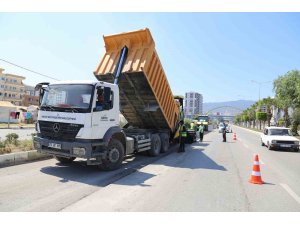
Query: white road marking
[(291, 192), (247, 146)]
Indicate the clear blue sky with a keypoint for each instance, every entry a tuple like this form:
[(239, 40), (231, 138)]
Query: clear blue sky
[(215, 54)]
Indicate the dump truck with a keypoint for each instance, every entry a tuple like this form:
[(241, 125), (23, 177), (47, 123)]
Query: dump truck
[(80, 119)]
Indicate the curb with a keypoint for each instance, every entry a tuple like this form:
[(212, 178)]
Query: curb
[(12, 159)]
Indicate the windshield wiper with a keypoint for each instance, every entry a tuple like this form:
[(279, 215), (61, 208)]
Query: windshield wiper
[(48, 106), (74, 110)]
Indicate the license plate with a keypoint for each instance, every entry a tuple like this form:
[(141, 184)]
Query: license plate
[(285, 146), (54, 145)]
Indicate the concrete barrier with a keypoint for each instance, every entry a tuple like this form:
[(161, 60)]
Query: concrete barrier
[(21, 157)]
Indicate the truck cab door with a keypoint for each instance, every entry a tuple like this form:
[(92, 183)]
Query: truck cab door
[(105, 114)]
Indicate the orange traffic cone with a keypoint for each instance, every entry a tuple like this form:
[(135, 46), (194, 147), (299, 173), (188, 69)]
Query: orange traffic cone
[(256, 176), (234, 136)]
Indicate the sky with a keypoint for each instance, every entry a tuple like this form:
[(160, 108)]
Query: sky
[(215, 54)]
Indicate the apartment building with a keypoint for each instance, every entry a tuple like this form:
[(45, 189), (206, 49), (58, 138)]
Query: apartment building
[(31, 97), (11, 88), (193, 104)]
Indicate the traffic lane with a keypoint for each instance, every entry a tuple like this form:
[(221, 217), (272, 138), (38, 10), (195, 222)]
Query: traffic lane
[(49, 186), (212, 177), (204, 178), (279, 169), (285, 163)]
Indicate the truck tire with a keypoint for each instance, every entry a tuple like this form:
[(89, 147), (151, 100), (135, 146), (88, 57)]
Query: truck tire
[(262, 143), (164, 139), (155, 145), (114, 157), (64, 160)]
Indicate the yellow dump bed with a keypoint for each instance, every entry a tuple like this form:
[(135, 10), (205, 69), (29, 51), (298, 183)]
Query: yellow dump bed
[(145, 94)]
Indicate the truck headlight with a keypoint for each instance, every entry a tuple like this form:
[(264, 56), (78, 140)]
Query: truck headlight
[(37, 127), (296, 142), (79, 151), (273, 142)]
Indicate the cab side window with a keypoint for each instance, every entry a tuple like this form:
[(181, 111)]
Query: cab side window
[(104, 99)]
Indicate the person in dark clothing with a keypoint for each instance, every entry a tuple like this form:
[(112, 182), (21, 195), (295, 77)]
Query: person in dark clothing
[(182, 137), (224, 133)]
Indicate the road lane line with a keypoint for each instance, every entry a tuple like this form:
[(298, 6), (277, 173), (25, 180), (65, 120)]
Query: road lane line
[(291, 192)]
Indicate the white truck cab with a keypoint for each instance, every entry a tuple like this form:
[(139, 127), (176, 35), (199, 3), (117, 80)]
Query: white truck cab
[(78, 119)]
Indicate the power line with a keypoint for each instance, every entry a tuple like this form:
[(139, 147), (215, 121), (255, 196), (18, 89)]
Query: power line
[(28, 70)]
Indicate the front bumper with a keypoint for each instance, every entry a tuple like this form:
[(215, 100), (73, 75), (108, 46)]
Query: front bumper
[(285, 146), (93, 149)]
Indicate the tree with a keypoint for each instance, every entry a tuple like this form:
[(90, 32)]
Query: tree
[(287, 89), (268, 102), (295, 121), (261, 116)]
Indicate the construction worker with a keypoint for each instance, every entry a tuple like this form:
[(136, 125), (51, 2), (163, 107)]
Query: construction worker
[(182, 137), (201, 132), (224, 133)]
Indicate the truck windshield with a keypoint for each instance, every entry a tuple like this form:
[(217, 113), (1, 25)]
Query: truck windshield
[(68, 98), (203, 118)]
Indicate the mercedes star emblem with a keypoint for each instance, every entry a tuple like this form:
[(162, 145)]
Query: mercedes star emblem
[(56, 127)]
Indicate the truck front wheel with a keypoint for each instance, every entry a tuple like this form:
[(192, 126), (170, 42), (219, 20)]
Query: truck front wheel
[(114, 156), (64, 160), (155, 145)]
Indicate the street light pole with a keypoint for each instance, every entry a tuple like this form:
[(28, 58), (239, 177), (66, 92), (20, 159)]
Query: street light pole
[(259, 86)]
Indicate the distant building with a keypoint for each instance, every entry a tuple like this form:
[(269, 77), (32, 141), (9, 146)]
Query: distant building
[(193, 104), (31, 97), (11, 88)]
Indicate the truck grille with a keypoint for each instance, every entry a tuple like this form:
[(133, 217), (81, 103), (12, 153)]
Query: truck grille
[(65, 132), (285, 142)]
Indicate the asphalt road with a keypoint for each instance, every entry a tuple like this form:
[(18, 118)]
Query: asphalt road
[(209, 176)]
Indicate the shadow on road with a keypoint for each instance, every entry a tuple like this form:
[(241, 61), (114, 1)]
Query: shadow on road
[(78, 171), (194, 158)]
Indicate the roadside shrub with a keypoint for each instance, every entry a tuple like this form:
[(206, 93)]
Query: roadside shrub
[(12, 138), (2, 144), (26, 145), (281, 122)]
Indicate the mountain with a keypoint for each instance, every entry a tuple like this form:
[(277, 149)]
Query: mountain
[(232, 107)]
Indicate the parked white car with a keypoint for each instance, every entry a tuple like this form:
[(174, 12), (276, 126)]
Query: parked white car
[(279, 138)]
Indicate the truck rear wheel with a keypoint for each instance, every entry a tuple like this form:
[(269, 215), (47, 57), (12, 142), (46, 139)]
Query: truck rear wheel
[(64, 160), (114, 157), (155, 145), (164, 139)]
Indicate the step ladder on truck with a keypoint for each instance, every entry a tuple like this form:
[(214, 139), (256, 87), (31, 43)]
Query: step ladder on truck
[(131, 81)]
